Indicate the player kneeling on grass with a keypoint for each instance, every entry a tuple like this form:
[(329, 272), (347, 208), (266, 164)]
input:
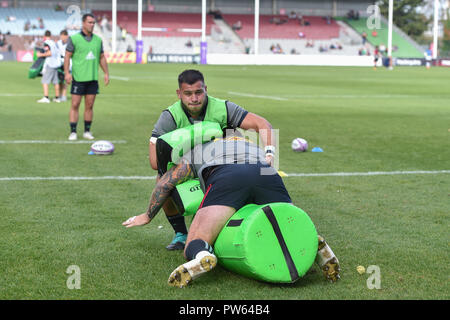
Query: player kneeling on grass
[(232, 173)]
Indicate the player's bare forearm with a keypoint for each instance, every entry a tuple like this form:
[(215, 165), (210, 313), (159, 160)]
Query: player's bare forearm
[(104, 64), (260, 125), (174, 176), (67, 62)]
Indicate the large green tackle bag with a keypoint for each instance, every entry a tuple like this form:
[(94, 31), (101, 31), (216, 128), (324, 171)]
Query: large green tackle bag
[(275, 242)]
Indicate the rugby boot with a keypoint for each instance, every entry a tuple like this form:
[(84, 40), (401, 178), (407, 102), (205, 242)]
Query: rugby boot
[(178, 242), (327, 261), (184, 274)]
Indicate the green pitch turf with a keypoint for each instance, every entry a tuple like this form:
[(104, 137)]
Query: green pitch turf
[(365, 120)]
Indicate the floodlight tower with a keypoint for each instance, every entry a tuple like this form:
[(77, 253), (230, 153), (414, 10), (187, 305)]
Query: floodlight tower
[(203, 43), (435, 28), (390, 23)]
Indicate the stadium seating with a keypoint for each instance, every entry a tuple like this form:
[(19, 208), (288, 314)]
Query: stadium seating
[(169, 24), (55, 21), (317, 28), (401, 47)]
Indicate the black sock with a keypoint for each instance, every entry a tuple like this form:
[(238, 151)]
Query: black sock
[(87, 126), (178, 223), (46, 97), (73, 127), (195, 246)]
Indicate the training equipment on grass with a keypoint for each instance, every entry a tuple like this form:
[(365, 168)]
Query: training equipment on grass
[(188, 196), (275, 242), (102, 147), (299, 145), (36, 68), (170, 147)]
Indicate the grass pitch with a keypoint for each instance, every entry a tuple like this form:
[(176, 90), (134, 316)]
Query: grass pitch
[(364, 120)]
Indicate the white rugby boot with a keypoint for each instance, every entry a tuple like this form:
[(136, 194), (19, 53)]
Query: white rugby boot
[(73, 136), (88, 135), (44, 100), (184, 274), (327, 261)]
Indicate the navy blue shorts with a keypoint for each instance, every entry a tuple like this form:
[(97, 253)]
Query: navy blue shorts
[(84, 87), (235, 185)]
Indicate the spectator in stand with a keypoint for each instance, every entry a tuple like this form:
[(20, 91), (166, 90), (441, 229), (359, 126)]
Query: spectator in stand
[(364, 38), (188, 43), (104, 23), (237, 25), (323, 48), (301, 35), (293, 15), (41, 23), (27, 25), (59, 7), (300, 20), (279, 49), (309, 44)]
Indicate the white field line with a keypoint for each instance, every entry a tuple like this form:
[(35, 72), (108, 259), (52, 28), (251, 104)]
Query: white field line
[(332, 174), (257, 96), (359, 174), (78, 178), (119, 78), (126, 95), (54, 141)]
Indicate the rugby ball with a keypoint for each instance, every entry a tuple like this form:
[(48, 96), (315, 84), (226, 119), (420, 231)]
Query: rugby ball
[(102, 147), (299, 145)]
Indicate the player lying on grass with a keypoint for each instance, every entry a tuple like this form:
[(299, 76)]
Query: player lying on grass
[(232, 173)]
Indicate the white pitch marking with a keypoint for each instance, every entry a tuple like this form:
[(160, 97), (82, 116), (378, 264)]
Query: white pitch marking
[(54, 141), (257, 96), (332, 174), (119, 78), (78, 178), (373, 173)]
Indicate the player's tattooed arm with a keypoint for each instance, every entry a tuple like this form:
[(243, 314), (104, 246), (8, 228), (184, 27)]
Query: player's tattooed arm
[(174, 176)]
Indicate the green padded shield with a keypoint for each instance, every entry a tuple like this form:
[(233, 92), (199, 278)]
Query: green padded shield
[(188, 196), (36, 68), (171, 146), (274, 243)]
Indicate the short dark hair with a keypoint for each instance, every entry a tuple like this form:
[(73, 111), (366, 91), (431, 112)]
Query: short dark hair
[(47, 33), (190, 77), (64, 32), (87, 15)]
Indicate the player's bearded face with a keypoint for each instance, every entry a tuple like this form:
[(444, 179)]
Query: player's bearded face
[(193, 97)]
